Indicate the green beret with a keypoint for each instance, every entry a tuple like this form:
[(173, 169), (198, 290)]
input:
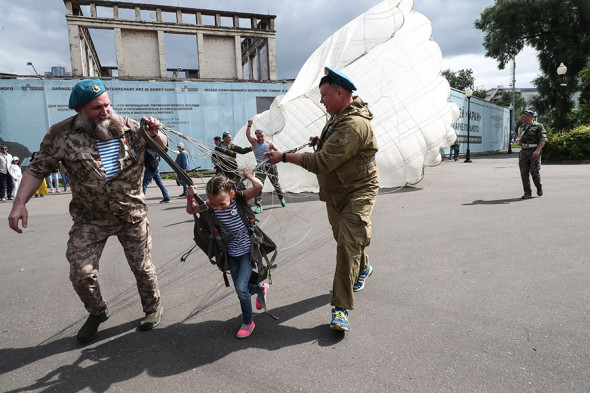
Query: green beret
[(85, 91), (340, 79)]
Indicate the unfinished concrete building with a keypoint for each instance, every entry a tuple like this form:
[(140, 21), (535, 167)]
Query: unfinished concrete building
[(229, 45)]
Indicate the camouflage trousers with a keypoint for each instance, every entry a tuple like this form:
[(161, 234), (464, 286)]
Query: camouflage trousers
[(531, 165), (273, 175), (85, 246), (351, 227)]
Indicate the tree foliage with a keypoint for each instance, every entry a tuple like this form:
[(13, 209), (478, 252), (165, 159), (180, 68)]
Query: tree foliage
[(557, 29), (506, 100), (461, 79), (584, 112), (572, 145)]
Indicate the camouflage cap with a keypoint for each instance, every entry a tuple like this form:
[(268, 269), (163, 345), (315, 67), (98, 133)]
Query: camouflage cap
[(85, 91)]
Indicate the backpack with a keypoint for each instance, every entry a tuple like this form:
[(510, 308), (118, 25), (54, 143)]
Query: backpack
[(207, 236), (207, 232), (152, 160)]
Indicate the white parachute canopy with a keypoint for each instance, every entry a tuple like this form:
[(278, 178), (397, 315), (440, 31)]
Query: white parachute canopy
[(389, 54)]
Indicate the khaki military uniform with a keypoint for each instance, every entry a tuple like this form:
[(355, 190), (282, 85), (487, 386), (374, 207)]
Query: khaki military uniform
[(349, 183), (225, 160), (102, 208), (530, 137)]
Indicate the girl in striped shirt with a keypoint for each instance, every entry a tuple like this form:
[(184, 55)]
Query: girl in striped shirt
[(222, 200)]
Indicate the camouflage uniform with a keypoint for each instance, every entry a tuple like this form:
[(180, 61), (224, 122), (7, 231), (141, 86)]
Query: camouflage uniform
[(101, 208), (226, 160), (349, 182), (530, 137)]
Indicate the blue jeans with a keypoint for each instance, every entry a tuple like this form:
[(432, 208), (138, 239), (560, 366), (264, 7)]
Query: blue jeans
[(184, 186), (240, 269), (53, 177), (65, 180), (150, 174)]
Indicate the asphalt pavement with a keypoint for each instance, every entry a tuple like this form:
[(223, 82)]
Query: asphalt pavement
[(473, 290)]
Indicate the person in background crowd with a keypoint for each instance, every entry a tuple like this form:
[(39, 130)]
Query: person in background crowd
[(65, 179), (260, 146), (5, 178), (225, 159), (15, 173), (151, 162), (54, 180), (182, 161)]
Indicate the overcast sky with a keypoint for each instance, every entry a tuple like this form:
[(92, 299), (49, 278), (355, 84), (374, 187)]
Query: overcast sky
[(36, 31)]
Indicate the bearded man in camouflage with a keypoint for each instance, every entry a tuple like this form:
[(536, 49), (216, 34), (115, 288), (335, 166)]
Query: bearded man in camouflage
[(531, 138), (103, 154)]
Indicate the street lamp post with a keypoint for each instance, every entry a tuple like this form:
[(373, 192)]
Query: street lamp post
[(512, 106), (561, 70), (468, 94)]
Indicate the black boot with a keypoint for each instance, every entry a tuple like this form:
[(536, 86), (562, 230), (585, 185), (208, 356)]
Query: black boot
[(90, 327)]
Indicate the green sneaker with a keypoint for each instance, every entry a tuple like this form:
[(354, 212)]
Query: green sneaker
[(283, 202), (88, 331), (339, 319), (151, 319), (258, 210)]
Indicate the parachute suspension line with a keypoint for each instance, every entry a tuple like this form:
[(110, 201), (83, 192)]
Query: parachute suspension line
[(195, 149)]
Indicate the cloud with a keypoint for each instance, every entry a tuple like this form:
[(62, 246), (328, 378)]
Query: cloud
[(32, 30)]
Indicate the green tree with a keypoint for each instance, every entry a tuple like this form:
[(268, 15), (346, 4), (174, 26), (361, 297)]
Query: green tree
[(584, 113), (506, 100), (463, 79), (459, 80), (480, 93), (557, 30)]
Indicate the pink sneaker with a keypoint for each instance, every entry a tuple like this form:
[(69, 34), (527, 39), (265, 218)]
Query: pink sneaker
[(261, 299), (245, 330)]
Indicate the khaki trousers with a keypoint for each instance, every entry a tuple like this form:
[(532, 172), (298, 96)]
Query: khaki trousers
[(351, 227)]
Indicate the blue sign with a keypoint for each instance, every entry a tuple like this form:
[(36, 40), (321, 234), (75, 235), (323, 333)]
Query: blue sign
[(199, 110)]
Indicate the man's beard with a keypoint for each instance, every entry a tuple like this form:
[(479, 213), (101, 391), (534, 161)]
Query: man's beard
[(102, 130)]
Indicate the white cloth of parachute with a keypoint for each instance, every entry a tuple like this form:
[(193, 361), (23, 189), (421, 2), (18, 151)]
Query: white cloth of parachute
[(389, 54)]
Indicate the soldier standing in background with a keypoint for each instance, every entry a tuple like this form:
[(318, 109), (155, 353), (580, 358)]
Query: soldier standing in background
[(531, 138)]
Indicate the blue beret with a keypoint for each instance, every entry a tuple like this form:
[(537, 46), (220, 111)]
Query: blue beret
[(340, 79), (528, 112), (85, 91), (225, 133)]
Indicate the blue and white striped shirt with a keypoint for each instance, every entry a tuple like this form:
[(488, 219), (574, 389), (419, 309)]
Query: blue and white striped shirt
[(109, 152), (231, 219)]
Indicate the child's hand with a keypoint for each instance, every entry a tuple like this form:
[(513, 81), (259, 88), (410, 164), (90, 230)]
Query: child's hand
[(248, 173)]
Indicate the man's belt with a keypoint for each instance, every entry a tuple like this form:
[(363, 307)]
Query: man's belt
[(529, 145)]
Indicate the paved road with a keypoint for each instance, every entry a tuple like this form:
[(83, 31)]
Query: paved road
[(474, 290)]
